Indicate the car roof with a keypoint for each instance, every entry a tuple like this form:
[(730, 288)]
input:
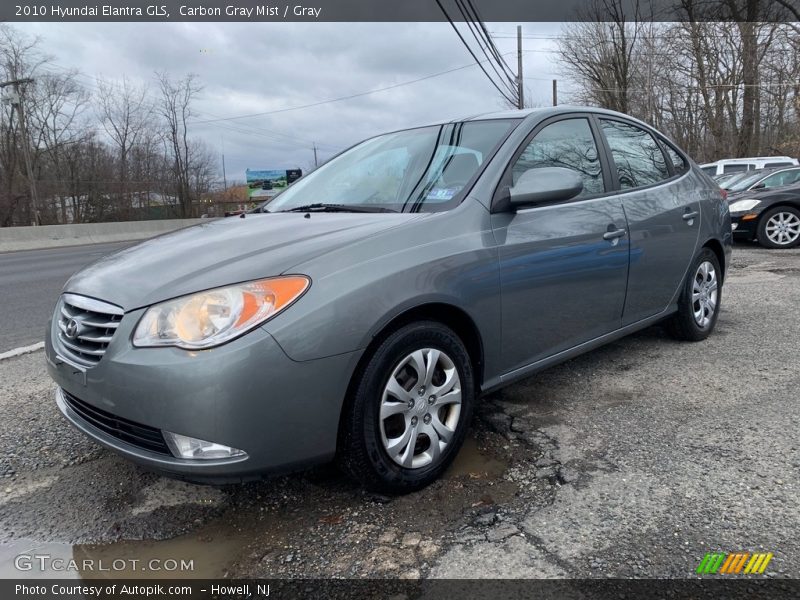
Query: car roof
[(500, 114), (791, 162), (544, 112)]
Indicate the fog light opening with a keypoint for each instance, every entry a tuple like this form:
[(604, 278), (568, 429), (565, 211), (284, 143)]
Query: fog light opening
[(183, 446)]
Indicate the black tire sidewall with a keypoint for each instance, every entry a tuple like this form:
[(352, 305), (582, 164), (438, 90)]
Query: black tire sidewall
[(762, 227), (389, 475), (686, 311)]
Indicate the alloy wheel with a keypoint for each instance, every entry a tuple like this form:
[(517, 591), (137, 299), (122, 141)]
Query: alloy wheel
[(783, 228), (420, 408), (704, 294)]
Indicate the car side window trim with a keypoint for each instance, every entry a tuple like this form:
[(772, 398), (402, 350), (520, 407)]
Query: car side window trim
[(659, 142), (666, 145), (501, 189)]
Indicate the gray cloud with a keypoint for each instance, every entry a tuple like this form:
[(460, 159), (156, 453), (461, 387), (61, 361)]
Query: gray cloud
[(256, 67)]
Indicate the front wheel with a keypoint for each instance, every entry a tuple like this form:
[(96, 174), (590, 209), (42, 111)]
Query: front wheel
[(410, 410), (699, 302), (779, 228)]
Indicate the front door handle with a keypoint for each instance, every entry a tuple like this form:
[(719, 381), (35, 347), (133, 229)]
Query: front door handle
[(689, 215), (614, 234)]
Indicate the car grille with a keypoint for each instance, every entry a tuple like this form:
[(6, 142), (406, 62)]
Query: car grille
[(136, 434), (85, 327)]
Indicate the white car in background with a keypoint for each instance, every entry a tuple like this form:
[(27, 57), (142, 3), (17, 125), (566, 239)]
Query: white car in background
[(739, 165)]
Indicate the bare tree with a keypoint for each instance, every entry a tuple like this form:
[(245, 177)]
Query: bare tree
[(126, 115), (19, 58), (176, 109), (723, 81), (598, 50)]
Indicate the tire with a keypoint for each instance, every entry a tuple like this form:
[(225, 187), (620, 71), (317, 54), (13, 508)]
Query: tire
[(779, 227), (700, 300), (372, 449)]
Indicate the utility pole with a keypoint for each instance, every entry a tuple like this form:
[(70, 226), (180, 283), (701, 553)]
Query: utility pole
[(650, 118), (316, 164), (555, 92), (16, 100), (224, 178), (520, 99)]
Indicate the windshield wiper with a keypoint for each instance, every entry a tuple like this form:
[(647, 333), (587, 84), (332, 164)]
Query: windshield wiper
[(322, 207)]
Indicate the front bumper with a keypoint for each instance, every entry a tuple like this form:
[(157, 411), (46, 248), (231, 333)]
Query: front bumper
[(744, 229), (246, 394)]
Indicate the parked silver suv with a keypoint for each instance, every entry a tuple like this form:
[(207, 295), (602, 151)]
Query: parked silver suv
[(367, 307)]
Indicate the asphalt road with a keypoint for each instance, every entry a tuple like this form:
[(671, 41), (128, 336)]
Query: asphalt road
[(631, 461), (30, 282)]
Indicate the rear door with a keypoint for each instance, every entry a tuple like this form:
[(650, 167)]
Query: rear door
[(662, 206), (563, 267)]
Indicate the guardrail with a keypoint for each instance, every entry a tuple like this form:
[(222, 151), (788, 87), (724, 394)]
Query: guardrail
[(53, 236)]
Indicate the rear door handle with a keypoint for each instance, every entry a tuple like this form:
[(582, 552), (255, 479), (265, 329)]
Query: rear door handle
[(614, 234), (688, 216)]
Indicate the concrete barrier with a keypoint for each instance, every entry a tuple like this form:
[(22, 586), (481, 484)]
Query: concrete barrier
[(53, 236)]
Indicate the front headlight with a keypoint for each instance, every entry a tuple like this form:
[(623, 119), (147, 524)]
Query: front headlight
[(741, 206), (213, 317)]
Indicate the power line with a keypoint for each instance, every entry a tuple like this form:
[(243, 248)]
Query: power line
[(477, 61), (265, 133), (253, 132), (485, 46), (342, 98), (488, 37)]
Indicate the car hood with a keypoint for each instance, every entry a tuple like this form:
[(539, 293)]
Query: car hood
[(222, 252)]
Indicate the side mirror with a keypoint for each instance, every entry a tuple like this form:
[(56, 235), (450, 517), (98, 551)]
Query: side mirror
[(759, 186), (545, 185)]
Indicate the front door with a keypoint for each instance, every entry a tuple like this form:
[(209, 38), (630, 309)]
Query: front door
[(563, 267)]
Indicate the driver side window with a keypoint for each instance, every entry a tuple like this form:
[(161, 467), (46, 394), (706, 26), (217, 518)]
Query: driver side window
[(568, 143)]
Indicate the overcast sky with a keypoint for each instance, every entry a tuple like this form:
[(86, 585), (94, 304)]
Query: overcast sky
[(257, 67)]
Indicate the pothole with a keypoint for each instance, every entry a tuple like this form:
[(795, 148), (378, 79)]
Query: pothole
[(473, 463)]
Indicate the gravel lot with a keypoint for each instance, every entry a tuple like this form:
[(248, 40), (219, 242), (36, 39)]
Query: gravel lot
[(633, 460)]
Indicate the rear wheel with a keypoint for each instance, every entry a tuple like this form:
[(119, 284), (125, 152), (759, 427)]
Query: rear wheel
[(779, 228), (410, 410), (698, 305)]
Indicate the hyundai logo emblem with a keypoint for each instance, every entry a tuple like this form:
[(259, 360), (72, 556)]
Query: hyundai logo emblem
[(71, 330)]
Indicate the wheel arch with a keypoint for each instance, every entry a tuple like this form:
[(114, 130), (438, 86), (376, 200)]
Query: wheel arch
[(716, 247), (448, 314)]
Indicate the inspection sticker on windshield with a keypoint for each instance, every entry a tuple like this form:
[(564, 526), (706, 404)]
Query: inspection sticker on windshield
[(441, 193)]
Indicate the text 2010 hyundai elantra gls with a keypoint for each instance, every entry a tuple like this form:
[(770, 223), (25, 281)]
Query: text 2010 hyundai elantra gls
[(370, 305)]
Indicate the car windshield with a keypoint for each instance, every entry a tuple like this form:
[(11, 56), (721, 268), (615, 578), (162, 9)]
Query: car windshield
[(736, 179), (418, 170)]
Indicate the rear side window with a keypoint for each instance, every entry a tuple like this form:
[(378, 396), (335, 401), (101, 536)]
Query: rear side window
[(637, 155), (735, 168), (712, 170), (678, 164), (568, 143)]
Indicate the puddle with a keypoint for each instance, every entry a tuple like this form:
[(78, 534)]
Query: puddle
[(268, 535), (471, 462), (204, 553)]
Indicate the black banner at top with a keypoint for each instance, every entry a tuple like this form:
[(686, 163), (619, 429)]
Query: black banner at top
[(514, 11)]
